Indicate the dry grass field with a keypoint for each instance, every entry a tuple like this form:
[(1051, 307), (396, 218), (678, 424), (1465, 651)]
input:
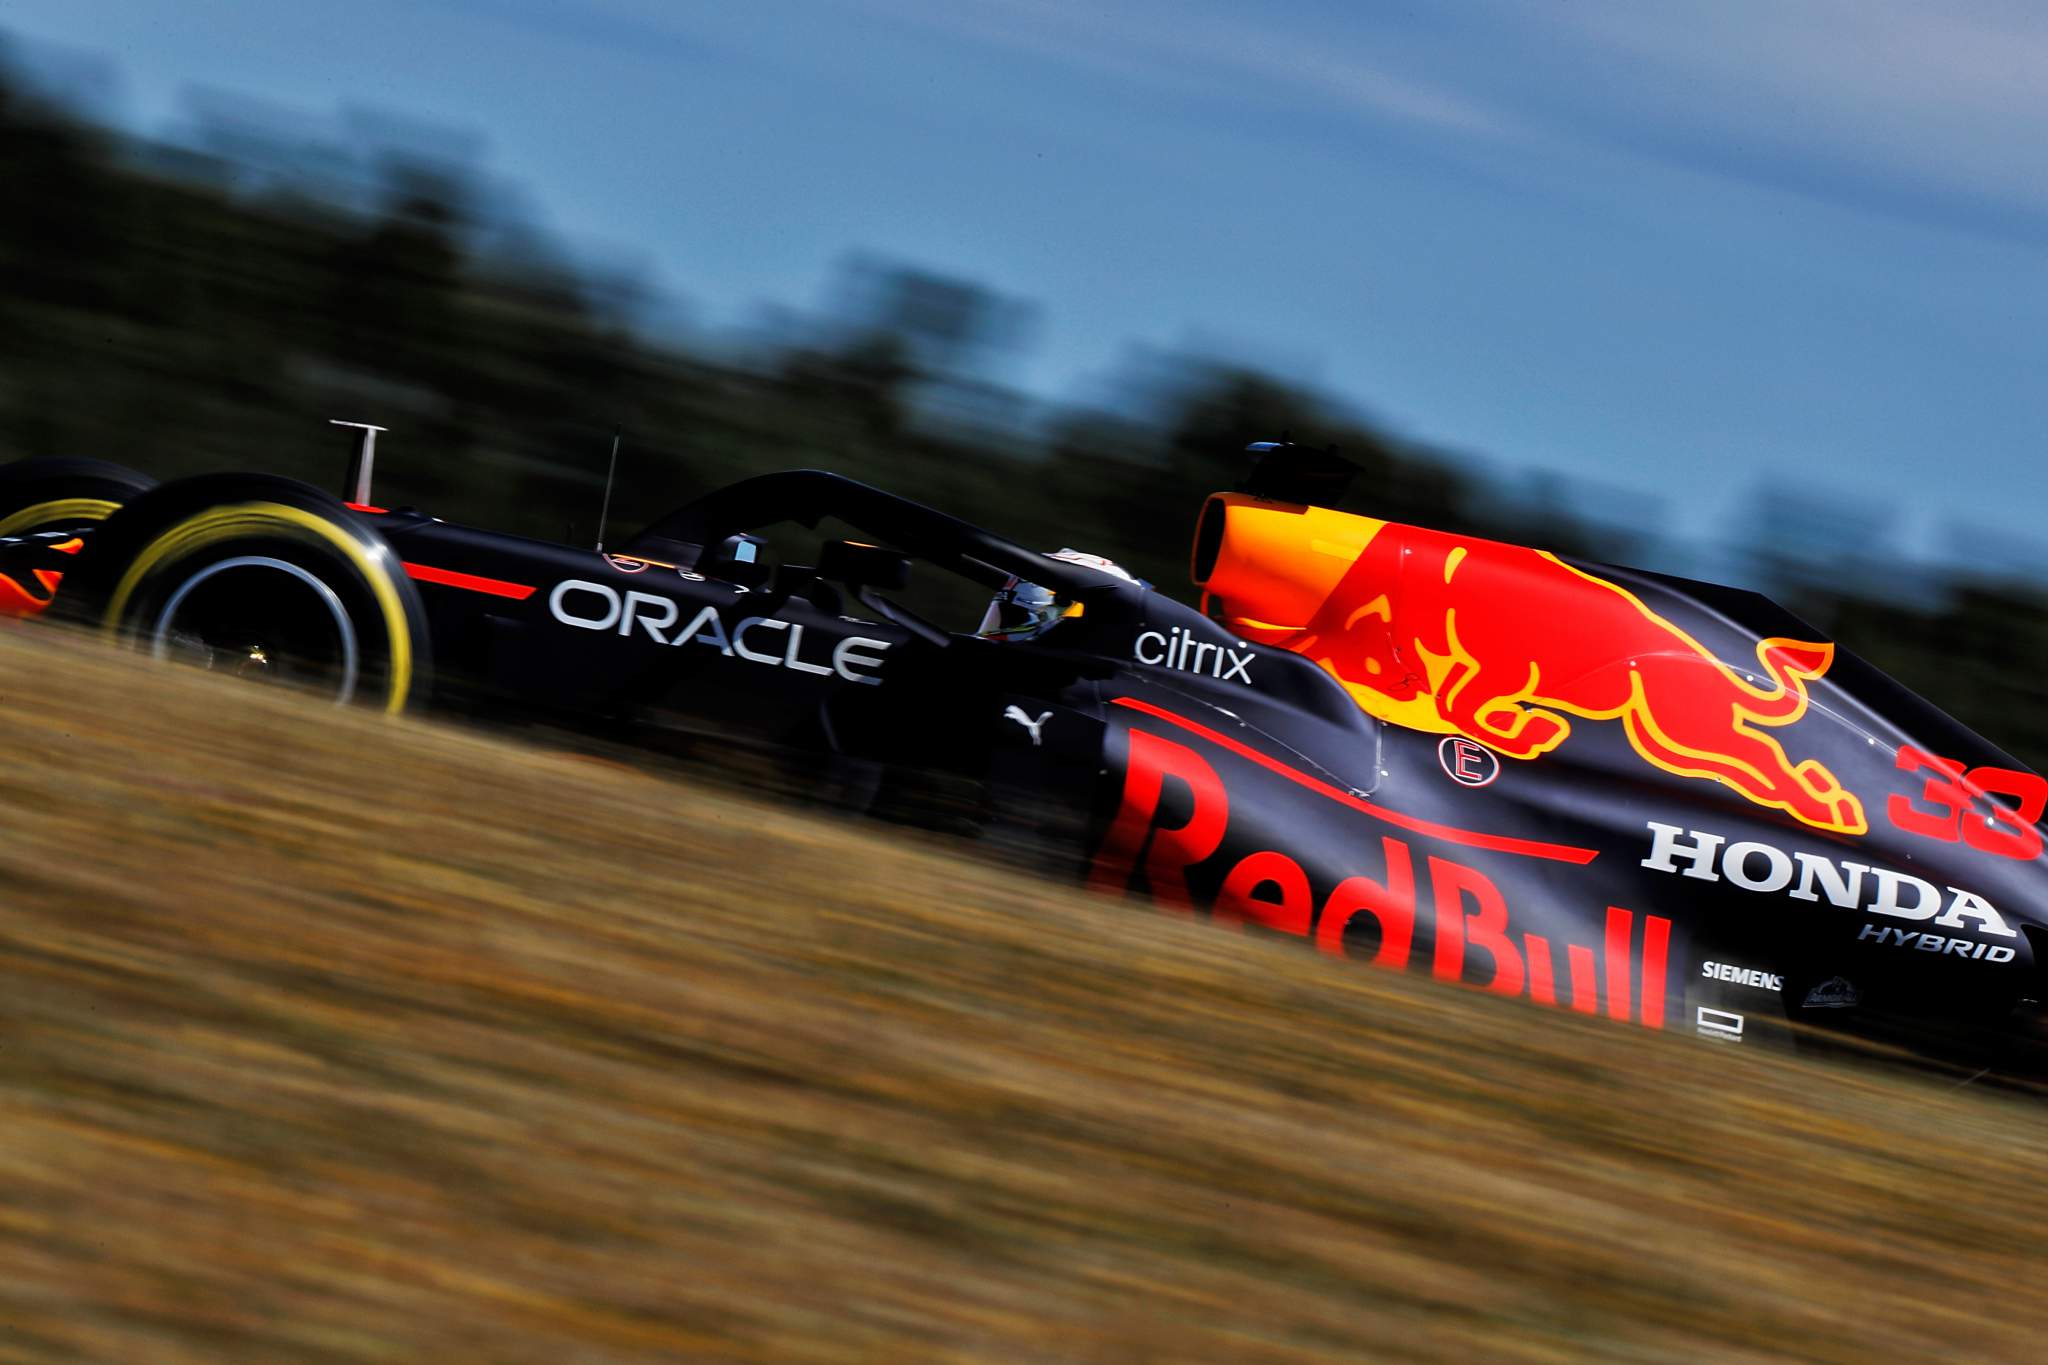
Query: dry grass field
[(330, 1038)]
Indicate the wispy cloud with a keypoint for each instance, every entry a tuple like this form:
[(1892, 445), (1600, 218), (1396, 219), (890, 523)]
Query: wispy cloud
[(1197, 50), (1917, 109), (591, 23), (1904, 106)]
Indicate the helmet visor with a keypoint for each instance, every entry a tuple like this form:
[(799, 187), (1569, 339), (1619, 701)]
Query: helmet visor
[(1020, 611)]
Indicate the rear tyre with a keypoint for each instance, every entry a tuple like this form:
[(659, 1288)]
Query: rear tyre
[(45, 506), (263, 578)]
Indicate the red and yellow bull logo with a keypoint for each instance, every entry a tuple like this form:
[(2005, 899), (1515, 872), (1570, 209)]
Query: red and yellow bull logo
[(1505, 645)]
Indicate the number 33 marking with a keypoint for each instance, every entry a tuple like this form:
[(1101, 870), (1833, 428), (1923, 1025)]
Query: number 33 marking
[(1953, 795)]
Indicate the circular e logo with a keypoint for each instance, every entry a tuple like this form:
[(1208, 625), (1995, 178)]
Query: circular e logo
[(1468, 764)]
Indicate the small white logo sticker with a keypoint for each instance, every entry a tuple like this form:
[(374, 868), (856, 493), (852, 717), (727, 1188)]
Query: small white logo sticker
[(1712, 1023)]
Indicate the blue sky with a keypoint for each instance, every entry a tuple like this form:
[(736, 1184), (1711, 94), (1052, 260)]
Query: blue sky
[(1678, 249)]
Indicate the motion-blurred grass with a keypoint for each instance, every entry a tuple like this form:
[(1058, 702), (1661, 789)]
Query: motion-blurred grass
[(331, 1038)]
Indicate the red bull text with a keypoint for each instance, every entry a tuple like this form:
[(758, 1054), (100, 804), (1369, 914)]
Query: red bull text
[(1468, 936)]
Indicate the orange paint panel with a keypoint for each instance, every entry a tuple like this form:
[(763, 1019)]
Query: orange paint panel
[(16, 600)]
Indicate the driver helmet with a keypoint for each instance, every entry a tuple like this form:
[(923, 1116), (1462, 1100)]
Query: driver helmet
[(1023, 610)]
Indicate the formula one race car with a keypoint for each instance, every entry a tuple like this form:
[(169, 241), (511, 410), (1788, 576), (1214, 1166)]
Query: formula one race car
[(1604, 790)]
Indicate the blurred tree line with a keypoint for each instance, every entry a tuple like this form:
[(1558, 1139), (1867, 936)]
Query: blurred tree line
[(211, 306)]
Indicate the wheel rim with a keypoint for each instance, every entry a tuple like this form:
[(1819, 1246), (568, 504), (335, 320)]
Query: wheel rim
[(255, 609)]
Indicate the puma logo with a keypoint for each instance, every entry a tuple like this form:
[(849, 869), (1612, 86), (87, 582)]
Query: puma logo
[(1017, 714)]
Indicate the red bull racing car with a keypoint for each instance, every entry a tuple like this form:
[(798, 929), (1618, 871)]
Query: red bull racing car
[(1603, 790)]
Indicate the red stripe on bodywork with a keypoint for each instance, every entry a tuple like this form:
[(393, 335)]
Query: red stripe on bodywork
[(496, 587), (1656, 949), (1584, 994), (1498, 843), (1619, 931), (1541, 988)]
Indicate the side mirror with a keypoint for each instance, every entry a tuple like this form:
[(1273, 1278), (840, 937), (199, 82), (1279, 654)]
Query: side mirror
[(860, 565), (864, 568), (740, 559)]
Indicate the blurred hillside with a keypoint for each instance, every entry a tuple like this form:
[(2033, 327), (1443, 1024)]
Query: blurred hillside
[(332, 1039), (211, 303)]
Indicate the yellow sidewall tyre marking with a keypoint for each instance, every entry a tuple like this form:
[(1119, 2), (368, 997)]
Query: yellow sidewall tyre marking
[(61, 509), (269, 518)]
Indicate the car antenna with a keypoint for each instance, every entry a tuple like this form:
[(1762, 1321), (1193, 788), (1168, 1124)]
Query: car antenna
[(605, 509), (362, 461)]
